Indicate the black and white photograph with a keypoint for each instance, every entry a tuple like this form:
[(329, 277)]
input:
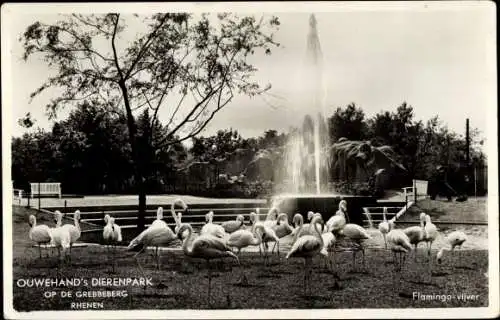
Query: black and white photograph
[(250, 159)]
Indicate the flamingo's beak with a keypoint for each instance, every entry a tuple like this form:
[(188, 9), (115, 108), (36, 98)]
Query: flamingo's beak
[(29, 222)]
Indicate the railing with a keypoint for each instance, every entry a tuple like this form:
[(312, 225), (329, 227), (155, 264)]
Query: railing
[(418, 189), (45, 188)]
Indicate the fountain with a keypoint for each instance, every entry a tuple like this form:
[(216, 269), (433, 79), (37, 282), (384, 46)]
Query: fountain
[(307, 159)]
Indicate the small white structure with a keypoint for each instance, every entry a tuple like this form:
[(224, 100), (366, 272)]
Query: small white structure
[(45, 188), (419, 189)]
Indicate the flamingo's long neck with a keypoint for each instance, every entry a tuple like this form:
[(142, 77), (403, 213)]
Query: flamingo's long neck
[(174, 215), (77, 224), (210, 218), (383, 214), (257, 235), (59, 221), (188, 250), (318, 233), (301, 225), (271, 214)]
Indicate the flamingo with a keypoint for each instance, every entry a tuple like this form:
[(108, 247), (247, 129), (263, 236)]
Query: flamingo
[(212, 228), (416, 233), (383, 226), (61, 237), (111, 234), (177, 217), (338, 221), (157, 234), (282, 228), (39, 233), (271, 217), (245, 238), (234, 225), (431, 233), (73, 229), (454, 239), (205, 247), (399, 243), (328, 246), (268, 236), (301, 229), (307, 247), (357, 234)]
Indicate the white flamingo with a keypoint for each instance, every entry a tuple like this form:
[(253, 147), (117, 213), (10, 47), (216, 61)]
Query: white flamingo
[(271, 217), (282, 228), (307, 247), (39, 233), (234, 225), (383, 226), (212, 228), (399, 243), (416, 234), (338, 221), (111, 234), (205, 247), (156, 235), (74, 230), (301, 229), (329, 241), (177, 217), (61, 237), (358, 235), (453, 240), (244, 238), (431, 233), (268, 236)]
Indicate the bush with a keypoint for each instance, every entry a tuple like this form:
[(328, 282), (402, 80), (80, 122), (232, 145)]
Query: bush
[(354, 188)]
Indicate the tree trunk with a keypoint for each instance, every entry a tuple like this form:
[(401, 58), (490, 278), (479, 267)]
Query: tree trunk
[(138, 161)]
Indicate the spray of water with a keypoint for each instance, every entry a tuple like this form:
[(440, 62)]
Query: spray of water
[(306, 162)]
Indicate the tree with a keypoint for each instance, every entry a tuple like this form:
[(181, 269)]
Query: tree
[(192, 64), (348, 123), (219, 146)]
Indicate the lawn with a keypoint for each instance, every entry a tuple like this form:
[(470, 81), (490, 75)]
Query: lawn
[(470, 211), (182, 283)]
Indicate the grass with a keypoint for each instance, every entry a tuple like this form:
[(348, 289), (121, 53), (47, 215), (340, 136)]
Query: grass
[(470, 211), (182, 283)]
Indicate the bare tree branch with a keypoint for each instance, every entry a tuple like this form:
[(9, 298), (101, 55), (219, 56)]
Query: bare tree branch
[(113, 45), (145, 47)]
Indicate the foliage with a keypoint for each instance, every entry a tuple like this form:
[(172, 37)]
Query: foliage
[(354, 188), (348, 123), (420, 147), (193, 64)]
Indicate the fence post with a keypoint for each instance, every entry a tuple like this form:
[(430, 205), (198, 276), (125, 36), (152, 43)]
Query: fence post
[(28, 205), (65, 205), (39, 199)]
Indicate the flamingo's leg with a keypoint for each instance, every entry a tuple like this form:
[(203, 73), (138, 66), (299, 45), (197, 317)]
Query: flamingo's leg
[(209, 280)]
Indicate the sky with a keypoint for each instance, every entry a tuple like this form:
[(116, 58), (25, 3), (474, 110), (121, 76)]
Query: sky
[(439, 58)]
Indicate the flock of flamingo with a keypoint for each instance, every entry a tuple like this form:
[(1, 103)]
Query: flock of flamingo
[(218, 241)]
